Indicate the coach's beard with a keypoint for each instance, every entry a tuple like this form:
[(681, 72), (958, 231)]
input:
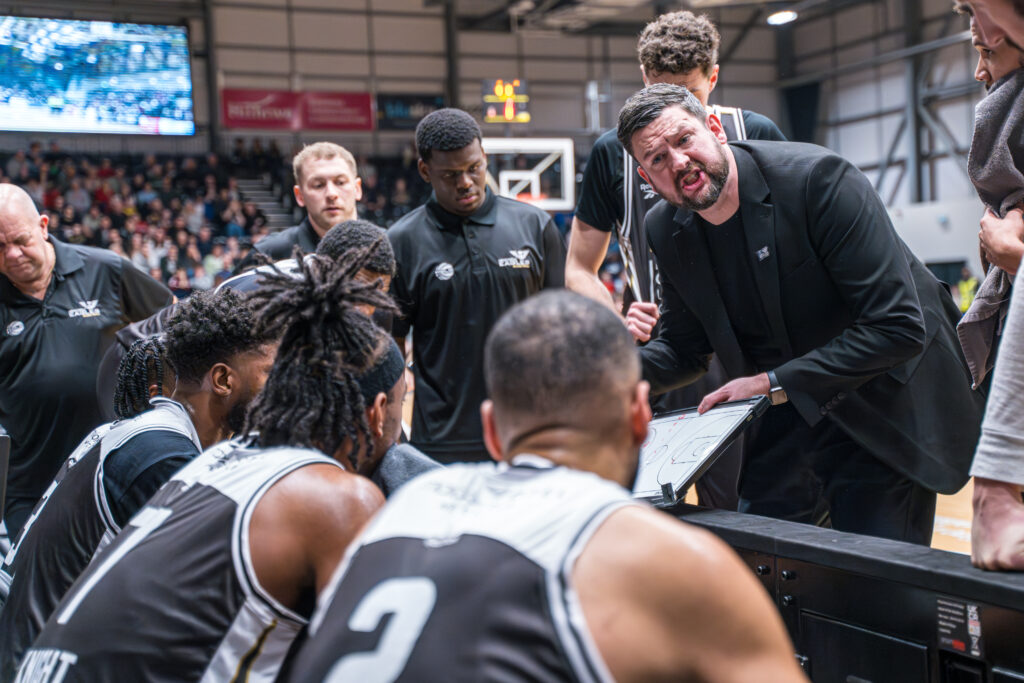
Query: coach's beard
[(717, 174)]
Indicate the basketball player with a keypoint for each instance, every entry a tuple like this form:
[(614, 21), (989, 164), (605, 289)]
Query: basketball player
[(220, 364), (140, 377), (544, 568), (216, 575), (345, 236)]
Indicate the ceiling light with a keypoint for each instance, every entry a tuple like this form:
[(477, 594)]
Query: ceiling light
[(782, 17)]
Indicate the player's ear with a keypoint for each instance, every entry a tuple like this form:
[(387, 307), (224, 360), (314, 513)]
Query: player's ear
[(222, 379), (640, 412), (375, 414), (490, 430), (421, 166)]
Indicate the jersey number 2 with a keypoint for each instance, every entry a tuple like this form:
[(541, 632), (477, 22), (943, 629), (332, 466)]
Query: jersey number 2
[(411, 600)]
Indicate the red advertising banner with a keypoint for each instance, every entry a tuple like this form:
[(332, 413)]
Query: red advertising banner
[(267, 109), (337, 111), (286, 110)]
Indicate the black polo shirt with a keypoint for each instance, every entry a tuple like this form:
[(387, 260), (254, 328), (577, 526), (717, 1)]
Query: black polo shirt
[(50, 351), (279, 245), (455, 276)]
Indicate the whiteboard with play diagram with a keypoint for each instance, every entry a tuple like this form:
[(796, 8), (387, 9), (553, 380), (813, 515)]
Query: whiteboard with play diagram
[(683, 444)]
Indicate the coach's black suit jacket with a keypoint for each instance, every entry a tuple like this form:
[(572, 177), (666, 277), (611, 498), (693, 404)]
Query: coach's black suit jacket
[(869, 331)]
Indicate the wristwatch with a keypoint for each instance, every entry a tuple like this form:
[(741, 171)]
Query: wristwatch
[(776, 393)]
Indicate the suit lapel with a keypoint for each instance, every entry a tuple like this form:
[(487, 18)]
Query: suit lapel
[(699, 287), (759, 227)]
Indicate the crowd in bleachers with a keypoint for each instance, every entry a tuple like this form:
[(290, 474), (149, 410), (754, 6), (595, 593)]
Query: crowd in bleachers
[(183, 219)]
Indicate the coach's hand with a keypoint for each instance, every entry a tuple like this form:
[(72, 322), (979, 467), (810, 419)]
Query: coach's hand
[(736, 390), (641, 319)]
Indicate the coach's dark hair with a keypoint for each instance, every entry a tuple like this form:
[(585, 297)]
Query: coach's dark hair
[(677, 43), (312, 397), (646, 105), (209, 328), (141, 366), (552, 356), (359, 234), (445, 130)]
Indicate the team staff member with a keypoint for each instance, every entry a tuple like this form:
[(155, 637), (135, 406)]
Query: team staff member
[(544, 569), (220, 365), (780, 258), (217, 574), (463, 259), (679, 48), (328, 187), (60, 306)]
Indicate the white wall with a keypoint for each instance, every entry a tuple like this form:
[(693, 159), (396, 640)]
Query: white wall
[(878, 95), (939, 232)]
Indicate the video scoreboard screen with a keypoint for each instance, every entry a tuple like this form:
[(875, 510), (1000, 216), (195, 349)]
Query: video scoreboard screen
[(506, 101), (69, 76)]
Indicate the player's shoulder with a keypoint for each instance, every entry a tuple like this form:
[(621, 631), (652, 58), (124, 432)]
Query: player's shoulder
[(638, 541), (325, 482), (760, 127), (607, 150)]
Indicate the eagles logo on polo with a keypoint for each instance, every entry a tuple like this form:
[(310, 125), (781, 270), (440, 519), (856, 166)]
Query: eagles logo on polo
[(520, 259), (89, 309)]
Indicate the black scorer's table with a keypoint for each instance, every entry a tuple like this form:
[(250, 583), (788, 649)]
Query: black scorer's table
[(861, 609)]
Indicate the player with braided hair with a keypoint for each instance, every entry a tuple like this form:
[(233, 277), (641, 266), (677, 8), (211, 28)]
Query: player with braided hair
[(220, 361), (328, 343), (141, 377), (238, 543)]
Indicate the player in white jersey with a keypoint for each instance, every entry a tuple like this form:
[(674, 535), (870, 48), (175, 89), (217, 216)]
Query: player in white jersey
[(214, 578), (219, 364), (543, 568)]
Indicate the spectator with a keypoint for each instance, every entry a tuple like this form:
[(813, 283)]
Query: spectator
[(77, 197)]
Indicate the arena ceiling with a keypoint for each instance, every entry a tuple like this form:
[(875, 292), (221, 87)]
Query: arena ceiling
[(624, 17)]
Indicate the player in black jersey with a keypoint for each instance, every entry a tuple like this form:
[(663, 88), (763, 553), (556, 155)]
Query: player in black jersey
[(216, 575), (220, 364), (544, 568)]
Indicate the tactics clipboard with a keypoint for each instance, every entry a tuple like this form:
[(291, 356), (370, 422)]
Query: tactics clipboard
[(682, 445)]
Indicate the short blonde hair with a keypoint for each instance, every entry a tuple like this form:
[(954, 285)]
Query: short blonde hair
[(321, 150)]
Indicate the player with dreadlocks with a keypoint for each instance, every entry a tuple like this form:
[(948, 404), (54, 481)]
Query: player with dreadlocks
[(238, 542), (141, 377), (220, 362)]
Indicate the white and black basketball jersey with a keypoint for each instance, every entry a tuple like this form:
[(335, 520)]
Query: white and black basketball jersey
[(69, 525), (639, 197), (466, 575), (175, 597)]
